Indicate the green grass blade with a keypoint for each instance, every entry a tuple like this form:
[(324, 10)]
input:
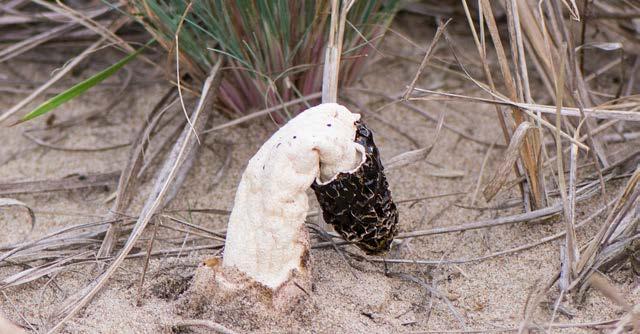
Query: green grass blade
[(79, 88)]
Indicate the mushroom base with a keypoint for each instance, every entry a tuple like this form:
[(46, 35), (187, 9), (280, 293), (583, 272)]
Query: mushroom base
[(225, 293)]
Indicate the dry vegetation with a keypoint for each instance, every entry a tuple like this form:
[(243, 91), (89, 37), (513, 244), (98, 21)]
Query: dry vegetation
[(520, 117)]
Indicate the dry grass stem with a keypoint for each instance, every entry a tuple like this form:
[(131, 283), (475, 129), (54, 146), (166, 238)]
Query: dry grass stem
[(175, 159), (425, 60), (70, 182), (502, 173)]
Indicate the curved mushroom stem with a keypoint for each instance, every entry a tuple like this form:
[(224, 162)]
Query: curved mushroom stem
[(266, 237)]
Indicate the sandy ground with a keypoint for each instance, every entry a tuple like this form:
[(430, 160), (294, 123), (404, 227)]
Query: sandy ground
[(353, 297)]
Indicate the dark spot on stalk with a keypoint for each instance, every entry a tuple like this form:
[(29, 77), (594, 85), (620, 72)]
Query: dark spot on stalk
[(329, 125), (278, 145)]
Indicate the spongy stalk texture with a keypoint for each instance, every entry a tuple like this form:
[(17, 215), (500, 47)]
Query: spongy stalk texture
[(266, 236)]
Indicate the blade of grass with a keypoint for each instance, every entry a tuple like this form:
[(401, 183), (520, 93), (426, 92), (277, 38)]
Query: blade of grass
[(79, 88), (59, 75)]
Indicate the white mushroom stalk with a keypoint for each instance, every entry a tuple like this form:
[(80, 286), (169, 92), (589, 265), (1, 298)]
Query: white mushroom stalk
[(266, 237)]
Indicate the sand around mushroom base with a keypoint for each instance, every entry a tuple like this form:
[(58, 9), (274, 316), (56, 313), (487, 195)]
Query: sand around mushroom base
[(227, 295)]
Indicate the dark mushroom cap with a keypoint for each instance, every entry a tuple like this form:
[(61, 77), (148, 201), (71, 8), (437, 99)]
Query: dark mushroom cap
[(359, 204)]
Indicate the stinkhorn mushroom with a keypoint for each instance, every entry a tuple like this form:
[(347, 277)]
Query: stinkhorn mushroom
[(325, 146)]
